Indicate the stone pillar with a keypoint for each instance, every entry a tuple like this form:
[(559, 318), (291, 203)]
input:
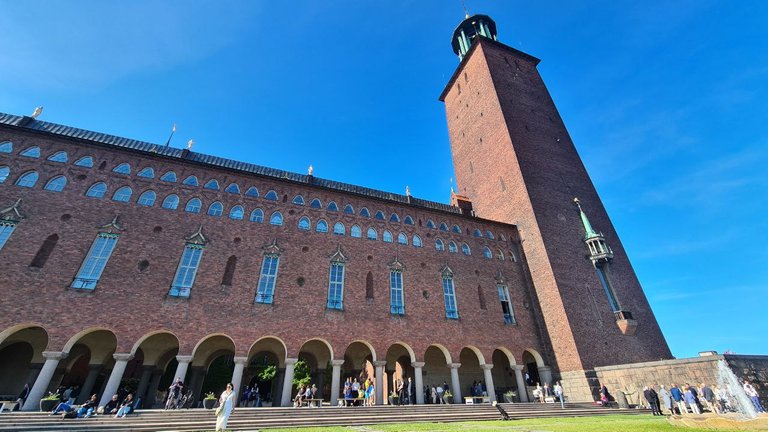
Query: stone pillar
[(181, 369), (157, 375), (146, 374), (196, 380), (277, 393), (52, 359), (419, 382), (489, 382), (455, 384), (320, 384), (522, 390), (545, 375), (335, 381), (390, 383), (237, 375), (285, 399), (90, 380), (379, 372), (121, 361)]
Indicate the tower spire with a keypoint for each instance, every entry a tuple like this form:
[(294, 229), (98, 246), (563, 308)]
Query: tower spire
[(589, 231)]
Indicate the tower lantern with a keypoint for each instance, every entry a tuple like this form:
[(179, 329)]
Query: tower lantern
[(472, 27)]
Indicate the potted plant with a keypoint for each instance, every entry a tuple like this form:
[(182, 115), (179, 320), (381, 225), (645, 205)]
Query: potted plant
[(509, 396), (49, 402), (448, 397), (209, 400)]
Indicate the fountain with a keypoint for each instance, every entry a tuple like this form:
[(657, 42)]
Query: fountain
[(736, 399)]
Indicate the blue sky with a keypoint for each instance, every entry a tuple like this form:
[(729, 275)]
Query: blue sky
[(665, 101)]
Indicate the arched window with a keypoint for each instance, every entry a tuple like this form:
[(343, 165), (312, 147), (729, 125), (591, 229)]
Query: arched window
[(439, 245), (365, 213), (298, 200), (332, 206), (456, 229), (233, 188), (379, 215), (465, 249), (430, 224), (194, 205), (276, 218), (33, 152), (402, 238), (339, 229), (171, 202), (191, 181), (387, 236), (257, 215), (56, 184), (416, 241), (355, 231), (305, 224), (478, 233), (408, 220), (216, 209), (169, 177), (123, 194), (147, 172), (123, 168), (28, 179), (316, 204), (85, 162), (322, 226), (97, 190), (6, 147), (236, 213), (4, 173), (271, 195), (147, 198), (348, 209), (487, 254), (452, 247), (443, 226), (212, 184), (372, 234), (252, 192), (500, 255), (394, 218), (489, 234), (59, 156)]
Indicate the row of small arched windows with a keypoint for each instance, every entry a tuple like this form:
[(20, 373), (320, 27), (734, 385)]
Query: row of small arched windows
[(234, 188)]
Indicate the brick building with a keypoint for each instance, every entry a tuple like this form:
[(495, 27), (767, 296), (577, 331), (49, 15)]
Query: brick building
[(127, 259)]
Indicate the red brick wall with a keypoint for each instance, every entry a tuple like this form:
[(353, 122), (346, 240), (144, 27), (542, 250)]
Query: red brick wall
[(132, 303), (514, 159)]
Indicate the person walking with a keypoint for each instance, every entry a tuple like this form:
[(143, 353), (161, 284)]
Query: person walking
[(226, 406), (557, 389), (605, 397)]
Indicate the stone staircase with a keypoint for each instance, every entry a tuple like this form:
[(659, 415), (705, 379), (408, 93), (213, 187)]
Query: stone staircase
[(251, 419)]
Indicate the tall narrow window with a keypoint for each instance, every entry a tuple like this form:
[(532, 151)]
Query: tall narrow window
[(56, 184), (6, 229), (397, 306), (612, 300), (229, 271), (45, 251), (266, 290), (185, 274), (506, 304), (95, 261), (449, 296), (336, 286)]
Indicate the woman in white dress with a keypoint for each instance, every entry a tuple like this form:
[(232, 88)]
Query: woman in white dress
[(226, 405)]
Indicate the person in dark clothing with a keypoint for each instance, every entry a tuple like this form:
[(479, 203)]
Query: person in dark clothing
[(653, 399), (605, 397), (695, 393), (677, 396), (112, 406)]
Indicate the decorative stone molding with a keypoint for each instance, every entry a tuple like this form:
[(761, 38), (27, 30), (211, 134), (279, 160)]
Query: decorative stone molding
[(454, 365), (337, 363), (198, 238), (12, 214), (446, 271), (122, 357), (338, 256), (396, 265), (55, 355), (112, 227), (240, 360), (272, 249), (291, 361), (500, 279), (418, 364), (486, 366), (184, 358), (380, 363)]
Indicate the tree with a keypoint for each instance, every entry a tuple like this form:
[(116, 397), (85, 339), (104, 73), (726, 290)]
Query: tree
[(301, 373)]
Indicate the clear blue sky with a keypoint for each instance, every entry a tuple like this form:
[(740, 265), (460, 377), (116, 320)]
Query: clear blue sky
[(665, 100)]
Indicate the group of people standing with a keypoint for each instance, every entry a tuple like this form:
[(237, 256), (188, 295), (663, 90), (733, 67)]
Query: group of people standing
[(357, 393), (305, 394), (682, 399)]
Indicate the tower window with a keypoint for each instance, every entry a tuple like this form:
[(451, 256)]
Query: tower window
[(123, 194), (355, 231), (271, 195), (147, 172), (365, 213), (233, 188), (98, 190), (171, 202), (316, 204), (266, 290), (85, 162), (276, 218), (185, 274), (605, 282), (147, 198), (123, 168), (298, 200), (257, 215), (397, 306), (336, 286), (6, 229), (339, 229), (252, 192), (4, 173), (449, 298), (56, 184), (193, 206), (387, 236), (322, 226), (236, 213), (212, 184), (94, 263), (60, 156), (216, 209), (169, 177), (372, 234), (190, 181), (402, 238), (28, 179), (304, 223), (506, 304), (32, 152)]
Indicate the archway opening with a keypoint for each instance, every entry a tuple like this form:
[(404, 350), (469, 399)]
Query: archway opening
[(265, 371)]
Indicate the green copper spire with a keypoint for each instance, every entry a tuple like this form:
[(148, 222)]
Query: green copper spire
[(589, 231)]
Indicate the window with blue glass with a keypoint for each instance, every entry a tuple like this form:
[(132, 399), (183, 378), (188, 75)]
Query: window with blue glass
[(379, 215), (386, 236), (487, 254), (147, 198), (97, 190), (348, 209), (271, 195), (336, 286), (93, 265), (147, 172), (478, 233), (372, 234), (171, 202), (465, 249), (123, 194), (333, 207), (402, 238), (456, 229), (276, 218), (339, 229), (449, 297), (6, 147), (305, 224), (85, 162), (123, 168), (252, 192), (216, 209), (612, 300), (4, 173), (257, 215), (408, 220), (322, 226), (236, 213), (298, 200), (6, 229), (439, 245), (33, 152), (169, 177), (56, 184), (489, 235), (365, 213), (233, 188), (430, 224), (212, 184), (355, 231), (266, 290), (443, 227), (185, 274), (416, 241), (28, 179), (194, 205), (397, 306), (506, 304), (316, 204), (452, 247), (60, 156), (394, 218), (190, 181)]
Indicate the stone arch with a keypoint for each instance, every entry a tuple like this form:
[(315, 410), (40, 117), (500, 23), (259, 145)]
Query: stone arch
[(10, 331), (505, 376), (444, 350), (536, 356), (437, 371), (272, 344), (96, 344), (267, 350), (21, 356), (208, 351), (152, 337), (507, 353), (318, 353), (478, 353), (534, 369), (399, 358), (85, 333), (153, 352), (366, 344), (358, 360)]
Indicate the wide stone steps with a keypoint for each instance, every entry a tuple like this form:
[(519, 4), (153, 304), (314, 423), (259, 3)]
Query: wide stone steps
[(249, 419)]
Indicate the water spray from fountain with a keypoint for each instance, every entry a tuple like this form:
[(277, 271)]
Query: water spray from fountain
[(735, 395)]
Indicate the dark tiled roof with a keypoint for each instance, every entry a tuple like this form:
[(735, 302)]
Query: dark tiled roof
[(215, 161)]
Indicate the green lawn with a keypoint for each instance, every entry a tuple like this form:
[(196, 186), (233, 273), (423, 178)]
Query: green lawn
[(613, 423)]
